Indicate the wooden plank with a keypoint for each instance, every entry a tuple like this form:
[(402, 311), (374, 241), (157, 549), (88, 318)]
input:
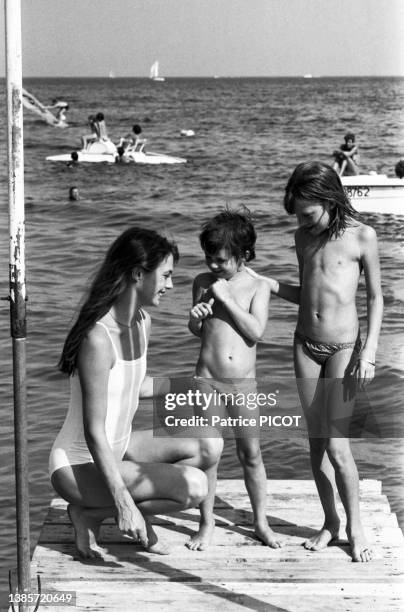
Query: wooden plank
[(382, 590), (288, 552), (228, 601), (131, 564), (110, 533), (292, 486), (376, 504), (307, 517)]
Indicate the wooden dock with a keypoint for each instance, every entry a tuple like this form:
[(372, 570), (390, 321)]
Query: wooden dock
[(236, 573)]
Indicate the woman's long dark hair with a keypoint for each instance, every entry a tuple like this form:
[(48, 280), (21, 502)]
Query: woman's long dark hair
[(318, 182), (136, 247)]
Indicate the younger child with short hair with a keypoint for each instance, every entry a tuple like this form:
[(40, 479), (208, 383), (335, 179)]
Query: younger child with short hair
[(229, 314)]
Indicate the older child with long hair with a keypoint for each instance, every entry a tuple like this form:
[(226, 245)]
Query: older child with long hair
[(333, 248), (97, 463)]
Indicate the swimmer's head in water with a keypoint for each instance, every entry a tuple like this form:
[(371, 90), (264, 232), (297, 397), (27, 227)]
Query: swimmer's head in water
[(120, 150), (137, 129), (399, 169), (74, 156), (317, 182), (230, 230), (136, 248), (73, 193)]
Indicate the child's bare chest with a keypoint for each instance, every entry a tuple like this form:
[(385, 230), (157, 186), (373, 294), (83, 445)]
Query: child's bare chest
[(335, 258)]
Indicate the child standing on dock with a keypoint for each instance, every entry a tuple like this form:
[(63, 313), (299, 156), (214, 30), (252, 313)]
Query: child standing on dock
[(333, 247), (229, 314)]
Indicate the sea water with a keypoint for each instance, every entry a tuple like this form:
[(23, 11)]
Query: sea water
[(249, 135)]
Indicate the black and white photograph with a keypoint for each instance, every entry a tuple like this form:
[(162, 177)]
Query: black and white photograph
[(202, 299)]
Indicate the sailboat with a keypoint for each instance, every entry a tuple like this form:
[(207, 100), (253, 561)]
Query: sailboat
[(154, 72)]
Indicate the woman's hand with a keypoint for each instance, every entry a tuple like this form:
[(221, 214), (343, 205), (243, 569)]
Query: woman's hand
[(130, 520)]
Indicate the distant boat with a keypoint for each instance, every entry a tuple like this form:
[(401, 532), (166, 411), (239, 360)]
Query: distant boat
[(375, 193), (154, 72), (111, 74), (106, 151), (308, 76)]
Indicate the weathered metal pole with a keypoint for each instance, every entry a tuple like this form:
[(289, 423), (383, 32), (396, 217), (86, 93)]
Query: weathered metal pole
[(17, 282)]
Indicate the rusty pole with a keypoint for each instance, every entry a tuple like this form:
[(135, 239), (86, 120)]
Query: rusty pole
[(17, 282)]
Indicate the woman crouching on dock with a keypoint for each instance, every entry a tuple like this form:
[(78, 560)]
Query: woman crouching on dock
[(97, 463)]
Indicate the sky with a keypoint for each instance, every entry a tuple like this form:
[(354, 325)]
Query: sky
[(78, 38)]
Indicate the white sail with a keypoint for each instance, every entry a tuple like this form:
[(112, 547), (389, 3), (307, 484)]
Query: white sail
[(154, 72)]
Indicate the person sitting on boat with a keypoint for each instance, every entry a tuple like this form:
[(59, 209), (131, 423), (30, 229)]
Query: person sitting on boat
[(133, 140), (100, 127), (89, 138), (399, 169), (347, 157)]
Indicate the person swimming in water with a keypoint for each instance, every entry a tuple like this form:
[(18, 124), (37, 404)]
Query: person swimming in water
[(399, 169)]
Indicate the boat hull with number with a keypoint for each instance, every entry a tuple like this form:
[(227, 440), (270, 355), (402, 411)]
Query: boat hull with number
[(375, 193)]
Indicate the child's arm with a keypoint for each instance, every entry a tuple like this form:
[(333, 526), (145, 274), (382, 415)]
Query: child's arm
[(351, 152), (371, 267), (291, 293), (199, 311), (250, 323)]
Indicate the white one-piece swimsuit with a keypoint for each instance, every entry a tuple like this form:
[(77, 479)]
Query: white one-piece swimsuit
[(125, 379)]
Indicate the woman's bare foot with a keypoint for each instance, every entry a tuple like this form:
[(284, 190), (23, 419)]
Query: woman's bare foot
[(155, 545), (86, 529), (203, 537), (267, 536), (323, 538), (360, 550)]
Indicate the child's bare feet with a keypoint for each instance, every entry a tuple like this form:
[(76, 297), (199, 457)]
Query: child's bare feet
[(155, 545), (360, 550), (202, 539), (267, 536), (86, 529), (323, 538)]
